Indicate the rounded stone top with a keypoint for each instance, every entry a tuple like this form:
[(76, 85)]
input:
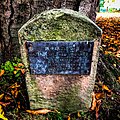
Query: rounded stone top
[(59, 24)]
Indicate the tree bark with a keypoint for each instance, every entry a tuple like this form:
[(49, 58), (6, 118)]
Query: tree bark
[(5, 22), (88, 8)]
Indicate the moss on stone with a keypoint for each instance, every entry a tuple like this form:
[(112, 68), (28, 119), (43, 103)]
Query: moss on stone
[(59, 24)]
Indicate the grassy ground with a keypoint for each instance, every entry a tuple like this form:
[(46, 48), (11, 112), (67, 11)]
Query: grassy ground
[(106, 98)]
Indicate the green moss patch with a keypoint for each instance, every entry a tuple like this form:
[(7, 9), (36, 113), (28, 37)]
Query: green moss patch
[(59, 24)]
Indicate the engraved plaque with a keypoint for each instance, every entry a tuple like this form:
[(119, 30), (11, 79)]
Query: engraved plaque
[(60, 57)]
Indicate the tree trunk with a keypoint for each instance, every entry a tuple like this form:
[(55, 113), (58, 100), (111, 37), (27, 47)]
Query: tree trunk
[(14, 13), (88, 8)]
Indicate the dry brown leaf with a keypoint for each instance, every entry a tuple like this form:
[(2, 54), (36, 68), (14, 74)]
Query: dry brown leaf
[(99, 95), (15, 72), (35, 112), (97, 109), (14, 93), (14, 89), (104, 87), (118, 79), (96, 103), (4, 104), (18, 105), (8, 98), (93, 106), (68, 117), (114, 65), (78, 114), (1, 96), (116, 42), (15, 85), (2, 72), (20, 65), (111, 35), (23, 71), (2, 114), (17, 68), (118, 54)]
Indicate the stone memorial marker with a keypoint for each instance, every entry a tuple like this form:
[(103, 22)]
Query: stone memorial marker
[(59, 48)]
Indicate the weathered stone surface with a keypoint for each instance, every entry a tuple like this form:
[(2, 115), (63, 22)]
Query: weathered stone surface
[(60, 24), (63, 92)]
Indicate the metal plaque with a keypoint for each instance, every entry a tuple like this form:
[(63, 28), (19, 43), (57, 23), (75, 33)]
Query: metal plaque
[(60, 57)]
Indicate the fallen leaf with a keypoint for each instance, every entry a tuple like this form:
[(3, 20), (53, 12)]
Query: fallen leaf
[(114, 65), (23, 71), (118, 54), (96, 103), (111, 35), (2, 72), (17, 68), (97, 109), (15, 72), (1, 96), (8, 98), (104, 87), (118, 79), (93, 106), (15, 85), (35, 112), (14, 89), (116, 41), (2, 114), (78, 114), (18, 105), (14, 93), (20, 65), (99, 95), (68, 117), (4, 104)]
